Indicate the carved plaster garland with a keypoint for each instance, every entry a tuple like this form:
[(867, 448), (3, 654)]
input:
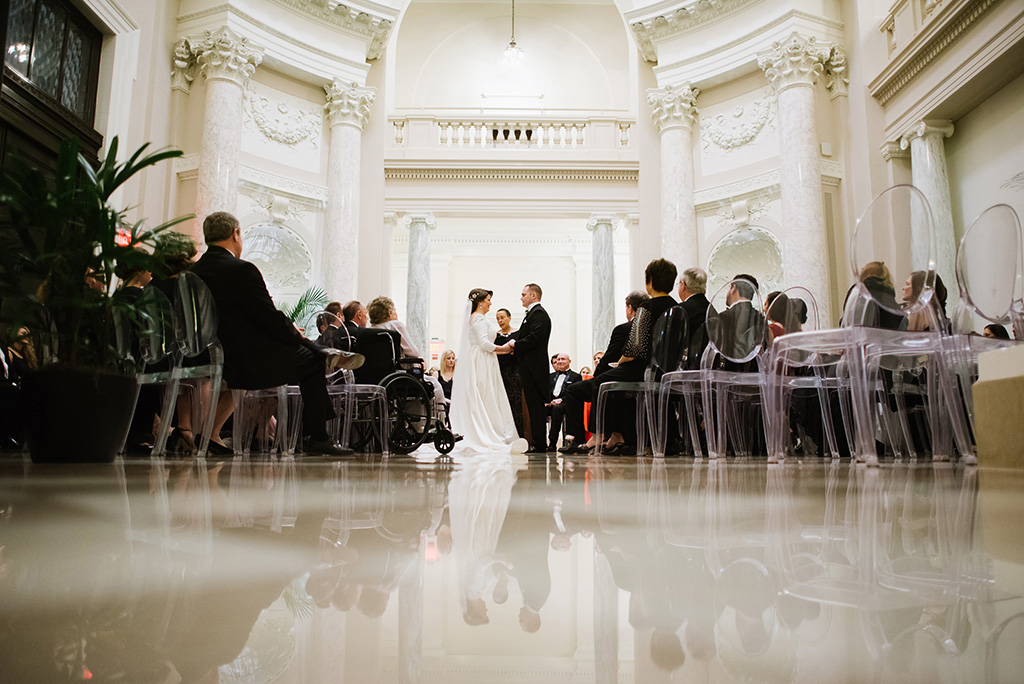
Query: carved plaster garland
[(742, 129), (756, 207), (281, 123)]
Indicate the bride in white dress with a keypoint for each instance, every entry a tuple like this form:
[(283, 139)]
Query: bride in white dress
[(480, 411)]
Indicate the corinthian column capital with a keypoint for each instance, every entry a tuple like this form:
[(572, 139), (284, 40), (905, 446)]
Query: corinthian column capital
[(224, 55), (673, 107), (348, 103), (796, 61), (837, 72), (184, 63)]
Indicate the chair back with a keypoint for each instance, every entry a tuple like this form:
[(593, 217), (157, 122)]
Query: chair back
[(156, 337), (670, 342), (987, 268), (337, 338), (736, 327), (795, 310), (195, 319), (893, 243)]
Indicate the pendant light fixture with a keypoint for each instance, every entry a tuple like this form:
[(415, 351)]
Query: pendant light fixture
[(513, 53)]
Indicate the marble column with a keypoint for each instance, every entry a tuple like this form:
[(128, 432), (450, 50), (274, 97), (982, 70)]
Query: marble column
[(603, 283), (674, 111), (418, 317), (928, 170), (348, 109), (793, 68), (226, 61)]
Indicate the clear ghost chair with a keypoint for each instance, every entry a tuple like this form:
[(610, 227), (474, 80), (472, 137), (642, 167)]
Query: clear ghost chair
[(900, 382), (802, 379), (987, 275), (732, 378), (668, 349), (200, 361)]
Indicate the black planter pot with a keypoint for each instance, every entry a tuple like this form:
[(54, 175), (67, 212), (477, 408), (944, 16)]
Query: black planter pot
[(76, 416)]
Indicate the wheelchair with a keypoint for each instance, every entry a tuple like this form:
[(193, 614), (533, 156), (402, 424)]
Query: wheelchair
[(414, 414)]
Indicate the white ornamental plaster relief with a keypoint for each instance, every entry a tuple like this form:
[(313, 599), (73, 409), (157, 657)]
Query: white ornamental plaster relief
[(278, 208), (648, 31), (755, 208), (184, 64), (281, 255), (1014, 183), (740, 127), (283, 122)]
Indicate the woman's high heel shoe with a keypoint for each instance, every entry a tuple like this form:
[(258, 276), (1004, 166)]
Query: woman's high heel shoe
[(181, 440)]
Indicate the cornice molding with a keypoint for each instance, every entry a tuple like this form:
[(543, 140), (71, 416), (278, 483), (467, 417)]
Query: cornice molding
[(186, 168), (370, 22), (769, 183), (924, 48), (668, 19), (515, 174)]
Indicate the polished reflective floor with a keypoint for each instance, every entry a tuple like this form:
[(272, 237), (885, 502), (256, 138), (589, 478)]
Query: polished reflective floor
[(499, 569)]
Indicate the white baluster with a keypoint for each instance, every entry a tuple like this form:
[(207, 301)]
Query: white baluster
[(474, 131), (399, 132), (442, 138)]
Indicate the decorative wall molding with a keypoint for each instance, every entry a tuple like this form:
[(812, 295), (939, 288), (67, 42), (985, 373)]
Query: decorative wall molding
[(282, 255), (515, 174), (745, 124), (276, 207), (893, 150), (186, 168), (281, 123), (749, 189), (359, 21), (184, 64), (691, 15), (744, 211), (925, 47)]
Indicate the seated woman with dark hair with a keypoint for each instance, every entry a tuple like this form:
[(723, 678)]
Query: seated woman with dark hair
[(994, 331)]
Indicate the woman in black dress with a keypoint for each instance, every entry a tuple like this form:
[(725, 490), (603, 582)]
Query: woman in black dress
[(509, 372)]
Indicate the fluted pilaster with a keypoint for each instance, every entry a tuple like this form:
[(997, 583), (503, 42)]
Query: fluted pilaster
[(674, 111)]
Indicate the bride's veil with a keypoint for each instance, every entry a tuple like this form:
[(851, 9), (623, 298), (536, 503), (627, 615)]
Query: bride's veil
[(464, 379)]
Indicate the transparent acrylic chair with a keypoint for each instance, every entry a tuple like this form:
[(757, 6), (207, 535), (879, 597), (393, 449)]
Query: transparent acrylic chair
[(668, 344), (987, 275), (732, 378), (802, 379), (198, 362), (900, 382)]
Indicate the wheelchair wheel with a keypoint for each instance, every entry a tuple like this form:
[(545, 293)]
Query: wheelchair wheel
[(444, 440), (408, 411)]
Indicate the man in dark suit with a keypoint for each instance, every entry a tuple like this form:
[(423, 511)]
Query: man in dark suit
[(531, 354), (262, 348), (692, 290), (561, 379), (741, 329), (581, 392)]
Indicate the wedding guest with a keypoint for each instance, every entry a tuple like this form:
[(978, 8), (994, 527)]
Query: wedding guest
[(380, 346), (586, 373), (579, 425), (331, 326), (692, 295), (995, 331), (561, 379), (509, 371), (932, 315), (384, 315), (880, 311), (445, 373), (21, 356), (261, 346)]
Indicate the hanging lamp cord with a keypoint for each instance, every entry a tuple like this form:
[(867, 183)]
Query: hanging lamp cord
[(513, 21)]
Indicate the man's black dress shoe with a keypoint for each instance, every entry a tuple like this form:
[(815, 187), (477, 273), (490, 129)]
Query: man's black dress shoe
[(327, 447), (531, 450)]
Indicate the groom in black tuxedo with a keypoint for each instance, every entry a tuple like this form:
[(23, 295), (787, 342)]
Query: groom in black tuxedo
[(531, 354)]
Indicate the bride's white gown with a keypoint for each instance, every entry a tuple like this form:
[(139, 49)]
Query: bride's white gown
[(480, 411)]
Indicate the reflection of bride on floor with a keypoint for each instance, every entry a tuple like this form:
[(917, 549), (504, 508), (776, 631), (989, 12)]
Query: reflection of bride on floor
[(480, 411)]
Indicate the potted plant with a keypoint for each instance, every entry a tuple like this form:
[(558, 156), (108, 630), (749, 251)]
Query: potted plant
[(60, 240)]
